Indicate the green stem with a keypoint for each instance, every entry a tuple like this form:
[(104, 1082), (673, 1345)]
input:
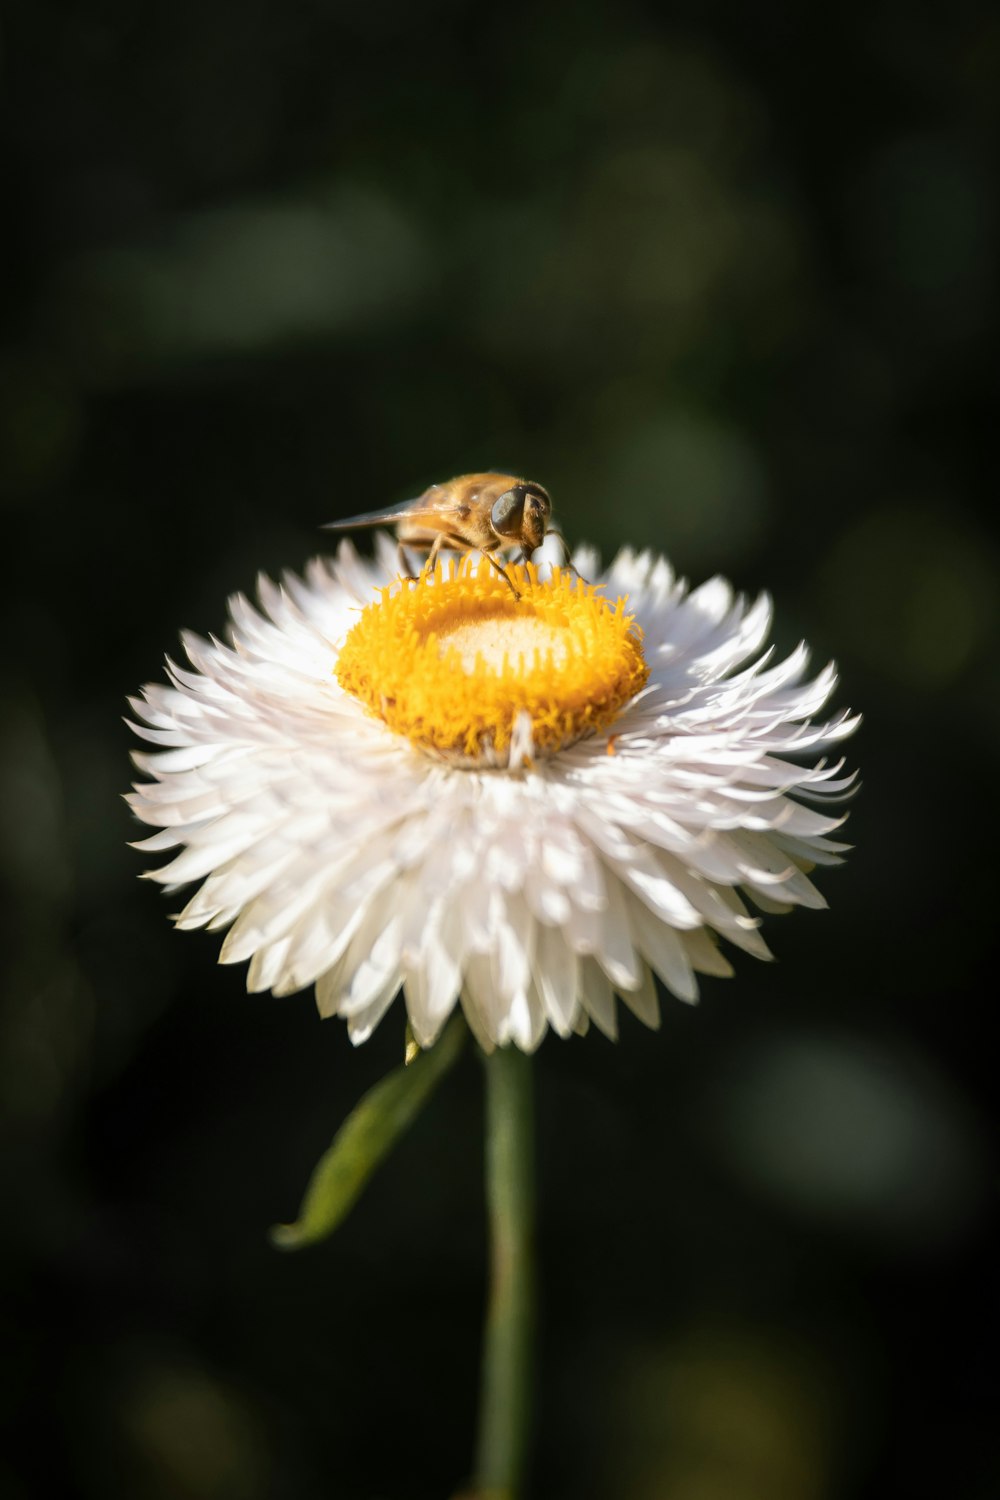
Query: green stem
[(505, 1397)]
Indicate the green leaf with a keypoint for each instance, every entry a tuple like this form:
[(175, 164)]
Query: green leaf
[(365, 1138)]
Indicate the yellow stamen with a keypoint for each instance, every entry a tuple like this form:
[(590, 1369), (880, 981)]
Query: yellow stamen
[(453, 661)]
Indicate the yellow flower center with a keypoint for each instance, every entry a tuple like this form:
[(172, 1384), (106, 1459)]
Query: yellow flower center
[(456, 664)]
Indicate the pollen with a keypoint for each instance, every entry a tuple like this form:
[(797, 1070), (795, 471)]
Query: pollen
[(456, 664)]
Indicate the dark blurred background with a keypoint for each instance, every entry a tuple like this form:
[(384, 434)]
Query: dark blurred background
[(724, 283)]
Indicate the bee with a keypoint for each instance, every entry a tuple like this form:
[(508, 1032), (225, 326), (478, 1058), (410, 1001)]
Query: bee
[(487, 513)]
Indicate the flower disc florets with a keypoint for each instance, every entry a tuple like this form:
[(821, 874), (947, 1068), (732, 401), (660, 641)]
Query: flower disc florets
[(629, 775), (455, 661)]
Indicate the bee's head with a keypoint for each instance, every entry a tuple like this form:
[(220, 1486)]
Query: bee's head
[(521, 515)]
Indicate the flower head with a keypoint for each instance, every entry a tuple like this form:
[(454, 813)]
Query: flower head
[(525, 806)]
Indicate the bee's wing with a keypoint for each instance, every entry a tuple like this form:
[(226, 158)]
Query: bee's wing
[(375, 518), (431, 510)]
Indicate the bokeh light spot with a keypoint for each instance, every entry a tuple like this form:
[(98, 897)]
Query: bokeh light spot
[(691, 480), (843, 1131), (912, 591)]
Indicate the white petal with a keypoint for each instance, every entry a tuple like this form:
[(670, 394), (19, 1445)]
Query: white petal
[(615, 952), (597, 998), (664, 950), (643, 1002), (362, 1023), (557, 973), (704, 954)]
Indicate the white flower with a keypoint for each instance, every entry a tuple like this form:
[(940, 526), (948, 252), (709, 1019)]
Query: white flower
[(527, 871)]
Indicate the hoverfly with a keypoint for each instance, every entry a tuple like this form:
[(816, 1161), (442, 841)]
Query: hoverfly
[(474, 512)]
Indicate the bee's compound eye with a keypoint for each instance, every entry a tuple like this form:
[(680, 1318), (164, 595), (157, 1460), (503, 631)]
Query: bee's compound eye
[(538, 500), (508, 511)]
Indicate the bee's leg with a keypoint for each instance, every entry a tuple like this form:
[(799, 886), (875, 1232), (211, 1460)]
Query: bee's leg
[(440, 542), (524, 557), (488, 554), (567, 560), (432, 555), (404, 564)]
